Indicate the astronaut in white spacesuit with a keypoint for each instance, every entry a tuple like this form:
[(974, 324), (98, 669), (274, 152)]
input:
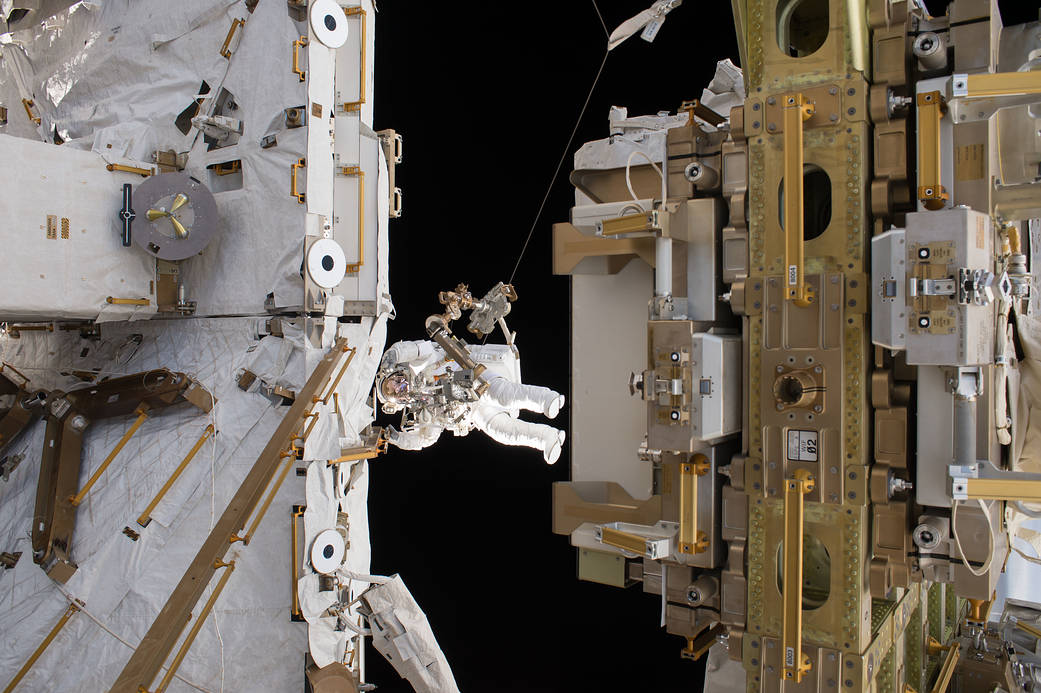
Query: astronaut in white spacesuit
[(436, 394)]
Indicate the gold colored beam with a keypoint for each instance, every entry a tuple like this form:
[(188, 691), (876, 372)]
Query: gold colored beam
[(356, 105), (354, 267), (691, 540), (293, 187), (297, 45), (1000, 489), (224, 50), (130, 169), (146, 516), (795, 112), (127, 301), (142, 414), (1003, 84), (196, 626), (74, 607), (943, 679), (930, 110), (796, 664)]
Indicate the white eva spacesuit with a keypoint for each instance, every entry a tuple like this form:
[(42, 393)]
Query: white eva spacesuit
[(436, 394)]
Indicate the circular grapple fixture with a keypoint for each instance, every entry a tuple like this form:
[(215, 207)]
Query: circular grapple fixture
[(181, 219), (329, 23), (326, 263), (327, 551)]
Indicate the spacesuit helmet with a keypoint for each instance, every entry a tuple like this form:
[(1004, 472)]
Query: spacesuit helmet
[(394, 390)]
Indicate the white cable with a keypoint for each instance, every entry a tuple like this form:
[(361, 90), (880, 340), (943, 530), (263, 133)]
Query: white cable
[(220, 641), (213, 494), (628, 181), (957, 538), (105, 628)]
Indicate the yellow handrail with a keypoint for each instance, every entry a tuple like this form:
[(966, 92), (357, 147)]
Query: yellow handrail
[(796, 110), (356, 105), (146, 516), (69, 613), (795, 663), (141, 416)]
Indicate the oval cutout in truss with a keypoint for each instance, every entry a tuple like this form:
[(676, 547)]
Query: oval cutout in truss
[(326, 263), (329, 23), (328, 551)]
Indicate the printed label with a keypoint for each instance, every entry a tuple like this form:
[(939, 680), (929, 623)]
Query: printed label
[(651, 30), (969, 162), (793, 275), (802, 446), (789, 656)]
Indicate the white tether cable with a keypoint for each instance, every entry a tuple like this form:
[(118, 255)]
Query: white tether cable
[(957, 538)]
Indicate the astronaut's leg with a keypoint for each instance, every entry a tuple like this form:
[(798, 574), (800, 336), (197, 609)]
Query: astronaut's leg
[(505, 429), (510, 395)]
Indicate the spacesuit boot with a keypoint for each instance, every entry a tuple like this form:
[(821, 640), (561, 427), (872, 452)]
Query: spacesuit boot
[(503, 428), (510, 395)]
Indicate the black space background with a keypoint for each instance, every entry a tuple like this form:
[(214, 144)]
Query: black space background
[(485, 95)]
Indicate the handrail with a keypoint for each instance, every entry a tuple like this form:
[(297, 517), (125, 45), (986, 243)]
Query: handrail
[(225, 50), (69, 613), (998, 84), (142, 414), (28, 105), (355, 267), (796, 110), (950, 662), (146, 516), (796, 664), (297, 45), (294, 189), (163, 634), (930, 110), (356, 105), (298, 511), (196, 626), (691, 540)]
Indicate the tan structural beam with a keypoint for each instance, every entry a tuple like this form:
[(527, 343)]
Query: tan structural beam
[(194, 631), (165, 630)]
